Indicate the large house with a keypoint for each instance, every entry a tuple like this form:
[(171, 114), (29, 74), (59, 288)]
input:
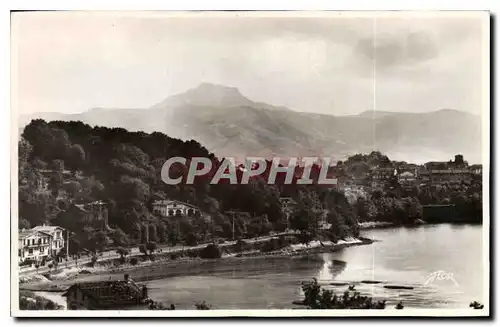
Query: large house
[(172, 208), (107, 295), (40, 242), (445, 176), (451, 172)]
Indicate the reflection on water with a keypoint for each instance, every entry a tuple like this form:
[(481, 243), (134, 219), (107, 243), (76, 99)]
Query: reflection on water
[(405, 256), (331, 268)]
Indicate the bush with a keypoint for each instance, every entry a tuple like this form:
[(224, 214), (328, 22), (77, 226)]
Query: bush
[(211, 251), (28, 301), (133, 261), (271, 245), (123, 252), (191, 240), (151, 247), (202, 306), (476, 305), (317, 298), (173, 257)]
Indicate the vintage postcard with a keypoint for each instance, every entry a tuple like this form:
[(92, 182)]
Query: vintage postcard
[(250, 164)]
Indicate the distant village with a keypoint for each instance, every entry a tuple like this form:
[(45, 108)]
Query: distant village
[(408, 175)]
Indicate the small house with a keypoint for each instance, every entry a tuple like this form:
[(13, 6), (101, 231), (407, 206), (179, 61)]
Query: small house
[(172, 208), (107, 295)]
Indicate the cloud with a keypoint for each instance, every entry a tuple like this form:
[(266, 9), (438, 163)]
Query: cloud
[(388, 51)]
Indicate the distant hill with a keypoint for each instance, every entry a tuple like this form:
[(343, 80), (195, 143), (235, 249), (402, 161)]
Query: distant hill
[(230, 124)]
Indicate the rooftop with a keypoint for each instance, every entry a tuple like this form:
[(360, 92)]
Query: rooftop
[(167, 202), (111, 293), (46, 228)]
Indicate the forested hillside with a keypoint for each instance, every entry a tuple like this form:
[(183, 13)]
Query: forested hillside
[(82, 164)]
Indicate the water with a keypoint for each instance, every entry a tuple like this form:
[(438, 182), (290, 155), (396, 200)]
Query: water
[(405, 256)]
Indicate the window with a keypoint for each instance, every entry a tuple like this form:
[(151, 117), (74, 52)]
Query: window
[(30, 251)]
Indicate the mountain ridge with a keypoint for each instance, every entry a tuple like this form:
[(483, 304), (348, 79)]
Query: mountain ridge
[(230, 124)]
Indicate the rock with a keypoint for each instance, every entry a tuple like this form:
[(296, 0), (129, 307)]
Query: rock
[(339, 283), (398, 287)]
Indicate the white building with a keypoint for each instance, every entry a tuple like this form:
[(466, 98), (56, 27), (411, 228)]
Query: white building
[(172, 208), (33, 245), (40, 242)]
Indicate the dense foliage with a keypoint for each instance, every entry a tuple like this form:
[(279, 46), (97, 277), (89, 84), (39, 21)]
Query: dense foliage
[(29, 301), (317, 298)]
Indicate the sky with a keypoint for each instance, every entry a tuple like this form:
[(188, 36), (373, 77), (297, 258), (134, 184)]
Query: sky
[(331, 63)]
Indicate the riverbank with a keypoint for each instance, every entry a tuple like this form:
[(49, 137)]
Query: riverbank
[(375, 224), (385, 224), (166, 267)]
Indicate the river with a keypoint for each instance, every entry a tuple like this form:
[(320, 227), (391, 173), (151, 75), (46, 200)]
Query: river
[(403, 256)]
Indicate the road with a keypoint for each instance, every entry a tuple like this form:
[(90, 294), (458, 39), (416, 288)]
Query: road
[(165, 248)]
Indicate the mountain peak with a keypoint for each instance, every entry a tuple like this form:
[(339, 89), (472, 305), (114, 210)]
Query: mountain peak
[(213, 86), (207, 95)]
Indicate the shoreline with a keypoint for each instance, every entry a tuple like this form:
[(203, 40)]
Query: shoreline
[(172, 268)]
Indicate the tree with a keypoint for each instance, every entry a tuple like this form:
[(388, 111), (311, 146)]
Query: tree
[(24, 152), (120, 238), (76, 157), (98, 241), (130, 189), (143, 249), (191, 239), (57, 165), (152, 232), (55, 183), (72, 188), (123, 253), (211, 251), (24, 224), (151, 247), (173, 235), (162, 233), (93, 260), (144, 233)]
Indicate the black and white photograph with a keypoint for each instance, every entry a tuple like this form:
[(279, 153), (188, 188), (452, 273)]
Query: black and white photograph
[(250, 163)]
